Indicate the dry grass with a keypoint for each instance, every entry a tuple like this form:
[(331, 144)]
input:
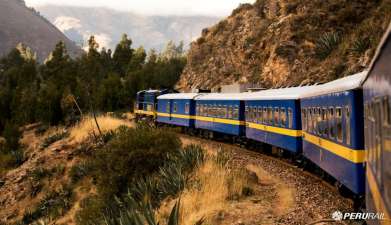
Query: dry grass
[(87, 127), (213, 188)]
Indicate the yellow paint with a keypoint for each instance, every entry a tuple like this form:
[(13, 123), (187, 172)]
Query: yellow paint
[(150, 113), (220, 120), (278, 130), (377, 198), (355, 156), (180, 116)]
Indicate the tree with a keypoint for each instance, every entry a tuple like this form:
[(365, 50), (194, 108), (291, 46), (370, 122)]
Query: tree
[(122, 55)]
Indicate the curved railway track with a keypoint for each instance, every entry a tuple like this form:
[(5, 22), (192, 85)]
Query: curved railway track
[(314, 198)]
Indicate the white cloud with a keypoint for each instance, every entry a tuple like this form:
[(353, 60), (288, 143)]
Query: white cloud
[(102, 39), (156, 7), (65, 23)]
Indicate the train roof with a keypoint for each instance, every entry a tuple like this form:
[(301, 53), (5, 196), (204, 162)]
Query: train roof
[(179, 96), (343, 84), (221, 96), (281, 93)]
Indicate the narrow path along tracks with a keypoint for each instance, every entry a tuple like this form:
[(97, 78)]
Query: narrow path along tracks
[(298, 197)]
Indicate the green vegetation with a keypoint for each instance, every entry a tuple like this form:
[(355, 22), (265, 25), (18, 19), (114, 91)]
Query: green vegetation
[(52, 206), (327, 43), (61, 89), (54, 138), (134, 172)]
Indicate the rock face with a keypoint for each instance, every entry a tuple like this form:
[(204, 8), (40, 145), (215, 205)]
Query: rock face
[(19, 24), (287, 42)]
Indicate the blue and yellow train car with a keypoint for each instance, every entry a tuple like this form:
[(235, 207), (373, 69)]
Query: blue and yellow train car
[(377, 101), (221, 113), (333, 129), (177, 109), (273, 117), (146, 102)]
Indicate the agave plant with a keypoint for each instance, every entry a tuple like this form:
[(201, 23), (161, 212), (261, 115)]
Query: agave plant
[(327, 43)]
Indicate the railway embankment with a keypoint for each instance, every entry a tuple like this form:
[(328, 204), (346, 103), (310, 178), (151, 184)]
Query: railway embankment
[(68, 178)]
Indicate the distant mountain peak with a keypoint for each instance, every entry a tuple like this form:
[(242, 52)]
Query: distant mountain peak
[(20, 24), (107, 25)]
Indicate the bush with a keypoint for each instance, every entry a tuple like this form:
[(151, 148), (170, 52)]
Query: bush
[(360, 46), (145, 164), (54, 205), (327, 43), (54, 138), (130, 155), (79, 171)]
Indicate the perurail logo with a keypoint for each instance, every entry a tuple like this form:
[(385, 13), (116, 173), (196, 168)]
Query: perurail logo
[(338, 216)]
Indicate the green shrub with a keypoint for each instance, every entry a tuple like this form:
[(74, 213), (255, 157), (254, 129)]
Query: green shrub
[(79, 171), (360, 46), (54, 138), (130, 155), (144, 163), (52, 206), (40, 173), (327, 43)]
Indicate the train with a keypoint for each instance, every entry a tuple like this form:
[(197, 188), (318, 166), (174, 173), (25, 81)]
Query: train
[(342, 127)]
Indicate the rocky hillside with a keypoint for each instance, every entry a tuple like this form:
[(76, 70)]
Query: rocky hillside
[(287, 42), (20, 24)]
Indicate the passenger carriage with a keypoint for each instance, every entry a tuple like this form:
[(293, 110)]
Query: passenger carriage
[(377, 100), (333, 129), (221, 113), (273, 117), (177, 109)]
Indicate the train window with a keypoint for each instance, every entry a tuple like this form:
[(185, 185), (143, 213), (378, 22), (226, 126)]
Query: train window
[(325, 127), (331, 123), (235, 114), (246, 113), (270, 115), (304, 118), (260, 115), (315, 120), (283, 117), (168, 107), (309, 119), (276, 116), (290, 117), (319, 121), (255, 114), (225, 111), (229, 112), (197, 109), (338, 121), (175, 107), (187, 108), (264, 115), (347, 125)]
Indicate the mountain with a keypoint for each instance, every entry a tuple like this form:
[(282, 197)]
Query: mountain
[(78, 23), (287, 42), (20, 24)]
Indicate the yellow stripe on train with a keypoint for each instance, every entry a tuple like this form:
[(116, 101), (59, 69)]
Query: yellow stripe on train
[(145, 112), (377, 198), (278, 130), (355, 156)]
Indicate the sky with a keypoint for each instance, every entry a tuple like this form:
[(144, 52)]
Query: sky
[(155, 7)]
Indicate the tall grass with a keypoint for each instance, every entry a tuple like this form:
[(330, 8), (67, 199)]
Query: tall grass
[(87, 127)]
